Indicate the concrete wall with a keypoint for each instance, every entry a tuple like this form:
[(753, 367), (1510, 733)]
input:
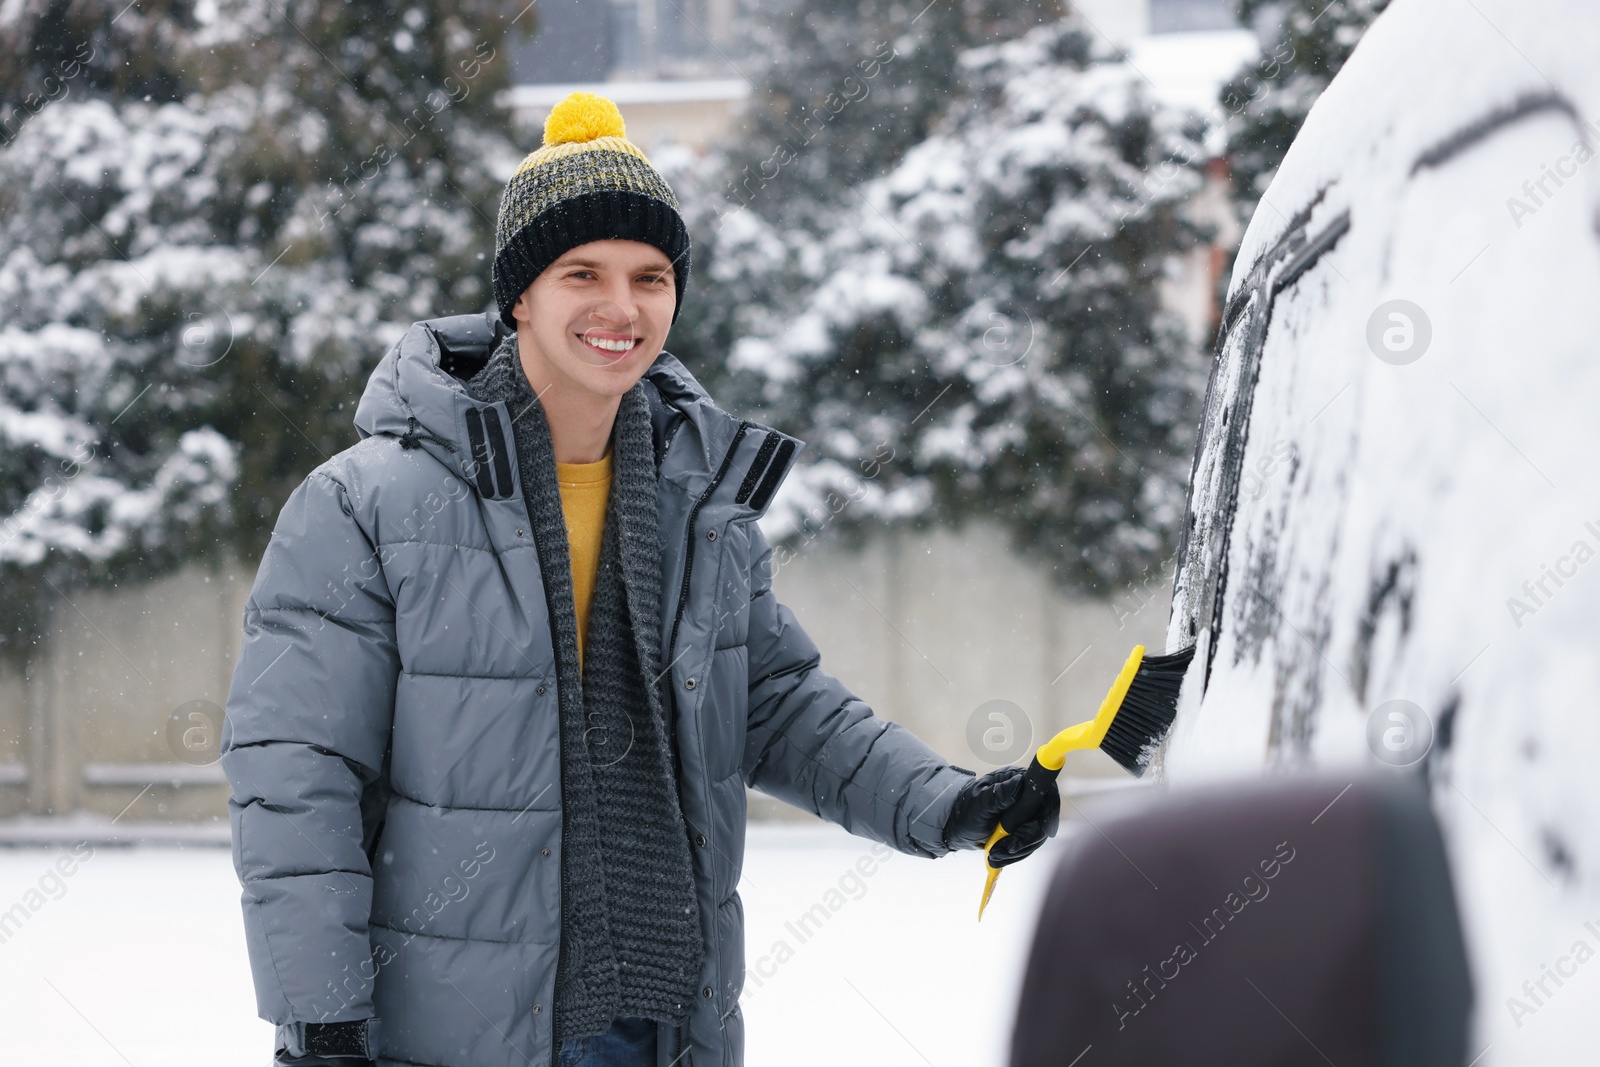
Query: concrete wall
[(928, 628), (88, 728)]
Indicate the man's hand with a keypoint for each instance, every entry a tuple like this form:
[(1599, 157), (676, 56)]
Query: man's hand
[(977, 810)]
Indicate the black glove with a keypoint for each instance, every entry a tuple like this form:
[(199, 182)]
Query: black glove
[(981, 803)]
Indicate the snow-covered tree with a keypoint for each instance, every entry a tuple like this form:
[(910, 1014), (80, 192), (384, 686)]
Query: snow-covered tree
[(844, 88), (1303, 45), (841, 91), (214, 217), (981, 332)]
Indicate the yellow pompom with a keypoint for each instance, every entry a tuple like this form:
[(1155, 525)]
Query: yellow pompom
[(582, 117)]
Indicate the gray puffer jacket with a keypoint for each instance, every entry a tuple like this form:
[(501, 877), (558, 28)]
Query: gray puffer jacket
[(392, 731)]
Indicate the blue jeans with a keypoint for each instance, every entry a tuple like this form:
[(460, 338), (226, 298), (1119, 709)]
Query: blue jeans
[(629, 1043)]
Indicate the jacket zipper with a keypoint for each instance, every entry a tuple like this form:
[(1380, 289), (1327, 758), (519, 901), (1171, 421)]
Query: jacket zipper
[(688, 554), (561, 926), (677, 621)]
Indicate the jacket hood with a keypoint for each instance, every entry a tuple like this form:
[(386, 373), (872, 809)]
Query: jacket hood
[(417, 394)]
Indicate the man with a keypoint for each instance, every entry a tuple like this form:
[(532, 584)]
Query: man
[(511, 661)]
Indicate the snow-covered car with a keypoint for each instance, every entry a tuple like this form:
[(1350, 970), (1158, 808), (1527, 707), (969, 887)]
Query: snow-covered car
[(1394, 516)]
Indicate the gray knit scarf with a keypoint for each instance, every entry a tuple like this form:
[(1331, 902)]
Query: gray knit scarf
[(630, 922)]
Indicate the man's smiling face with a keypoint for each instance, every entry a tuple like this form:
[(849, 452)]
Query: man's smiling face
[(595, 319)]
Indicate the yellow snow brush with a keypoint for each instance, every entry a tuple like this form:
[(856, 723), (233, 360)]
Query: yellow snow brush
[(1131, 722)]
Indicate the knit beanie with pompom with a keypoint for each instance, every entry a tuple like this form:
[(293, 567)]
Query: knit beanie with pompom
[(587, 182)]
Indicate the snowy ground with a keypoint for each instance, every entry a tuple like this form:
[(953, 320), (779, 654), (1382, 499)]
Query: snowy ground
[(137, 957)]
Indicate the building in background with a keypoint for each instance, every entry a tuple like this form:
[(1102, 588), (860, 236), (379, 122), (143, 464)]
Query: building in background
[(626, 40), (666, 64)]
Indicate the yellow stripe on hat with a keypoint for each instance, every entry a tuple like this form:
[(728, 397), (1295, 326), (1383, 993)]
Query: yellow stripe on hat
[(571, 148)]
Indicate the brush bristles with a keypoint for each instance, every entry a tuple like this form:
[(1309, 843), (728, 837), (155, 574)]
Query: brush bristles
[(1147, 711)]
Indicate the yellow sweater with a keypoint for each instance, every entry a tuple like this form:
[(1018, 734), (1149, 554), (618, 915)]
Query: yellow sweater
[(585, 490)]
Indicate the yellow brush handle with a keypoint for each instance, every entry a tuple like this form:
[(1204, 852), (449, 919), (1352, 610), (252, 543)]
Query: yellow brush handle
[(1052, 755), (994, 872)]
